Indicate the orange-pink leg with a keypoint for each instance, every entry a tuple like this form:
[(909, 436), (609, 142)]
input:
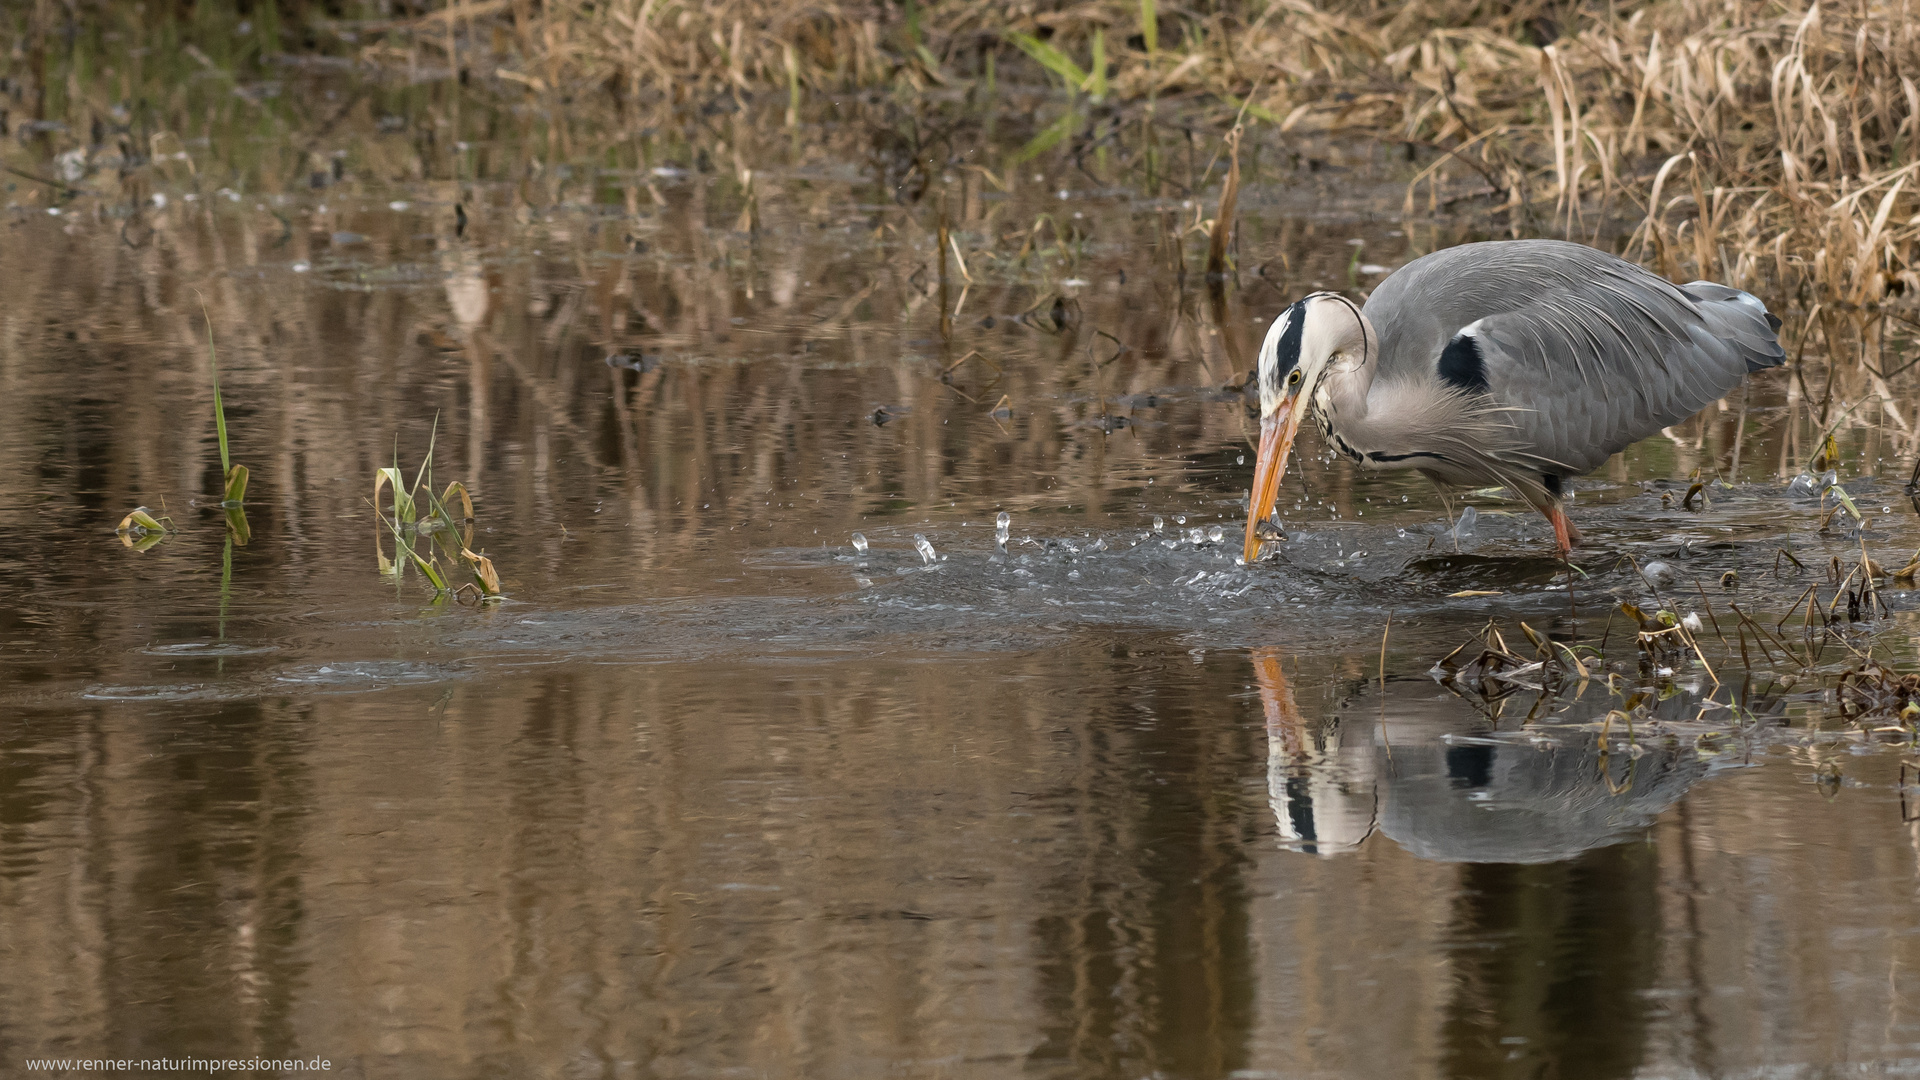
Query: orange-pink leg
[(1565, 536)]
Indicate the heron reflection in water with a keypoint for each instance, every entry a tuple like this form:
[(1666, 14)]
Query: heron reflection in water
[(1333, 781)]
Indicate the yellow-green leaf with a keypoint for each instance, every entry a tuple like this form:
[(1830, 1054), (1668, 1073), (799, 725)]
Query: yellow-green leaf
[(139, 519), (237, 522), (236, 486)]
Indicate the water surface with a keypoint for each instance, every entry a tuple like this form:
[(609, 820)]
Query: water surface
[(712, 793)]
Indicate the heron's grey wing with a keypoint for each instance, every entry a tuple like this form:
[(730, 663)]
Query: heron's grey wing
[(1586, 352), (1587, 373)]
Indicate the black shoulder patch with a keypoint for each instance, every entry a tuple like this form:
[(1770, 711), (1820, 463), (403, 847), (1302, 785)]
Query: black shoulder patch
[(1287, 349), (1461, 365), (1773, 322)]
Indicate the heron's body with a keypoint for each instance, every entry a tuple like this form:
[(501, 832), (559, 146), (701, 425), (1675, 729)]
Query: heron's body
[(1517, 364)]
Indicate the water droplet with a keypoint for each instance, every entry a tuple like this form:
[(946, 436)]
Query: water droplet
[(1159, 523), (1216, 534), (1179, 519), (923, 546), (1001, 524), (1240, 459), (863, 582), (1073, 575), (1097, 545), (860, 543), (1196, 537)]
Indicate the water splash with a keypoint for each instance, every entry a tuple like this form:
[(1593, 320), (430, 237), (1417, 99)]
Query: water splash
[(860, 543), (1159, 524), (1808, 486), (924, 546), (1001, 525), (1469, 519)]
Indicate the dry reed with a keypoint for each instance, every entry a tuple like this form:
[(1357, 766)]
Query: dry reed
[(1766, 145)]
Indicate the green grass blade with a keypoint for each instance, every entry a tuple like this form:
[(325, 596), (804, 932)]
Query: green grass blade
[(1050, 58), (219, 409), (1098, 78), (1255, 111), (1150, 26), (1053, 136), (426, 466), (429, 571)]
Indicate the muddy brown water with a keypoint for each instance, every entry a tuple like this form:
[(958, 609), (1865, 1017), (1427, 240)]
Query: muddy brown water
[(712, 793)]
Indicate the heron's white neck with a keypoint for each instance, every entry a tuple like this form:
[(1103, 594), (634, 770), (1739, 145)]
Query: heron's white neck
[(1343, 402), (1401, 423)]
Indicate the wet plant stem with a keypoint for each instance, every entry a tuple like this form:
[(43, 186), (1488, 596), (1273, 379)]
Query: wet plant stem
[(1384, 631), (1761, 635), (1710, 615), (1792, 608), (226, 595)]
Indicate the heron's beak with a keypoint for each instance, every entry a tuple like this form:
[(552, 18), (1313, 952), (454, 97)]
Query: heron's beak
[(1276, 442)]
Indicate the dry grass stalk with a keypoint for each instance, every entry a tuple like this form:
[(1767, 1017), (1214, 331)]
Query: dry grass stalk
[(1765, 145), (1762, 145)]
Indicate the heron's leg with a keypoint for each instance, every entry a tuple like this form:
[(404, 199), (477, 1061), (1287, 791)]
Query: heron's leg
[(1565, 536)]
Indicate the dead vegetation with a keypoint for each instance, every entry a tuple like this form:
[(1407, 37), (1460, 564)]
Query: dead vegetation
[(1874, 692), (1764, 145), (1487, 666), (1767, 146), (1835, 621)]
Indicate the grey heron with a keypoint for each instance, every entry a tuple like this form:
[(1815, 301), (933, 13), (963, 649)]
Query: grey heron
[(1514, 363)]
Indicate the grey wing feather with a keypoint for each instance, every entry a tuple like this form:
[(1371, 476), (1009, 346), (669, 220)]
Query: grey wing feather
[(1581, 352)]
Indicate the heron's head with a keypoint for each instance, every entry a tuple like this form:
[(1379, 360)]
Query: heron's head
[(1323, 332)]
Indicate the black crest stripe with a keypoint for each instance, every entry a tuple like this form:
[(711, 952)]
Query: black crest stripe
[(1287, 349)]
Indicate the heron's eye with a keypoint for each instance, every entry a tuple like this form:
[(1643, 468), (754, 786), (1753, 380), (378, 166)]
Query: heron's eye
[(1294, 379)]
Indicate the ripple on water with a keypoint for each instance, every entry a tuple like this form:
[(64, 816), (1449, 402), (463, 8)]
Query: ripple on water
[(360, 676), (208, 650), (339, 677), (168, 692)]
